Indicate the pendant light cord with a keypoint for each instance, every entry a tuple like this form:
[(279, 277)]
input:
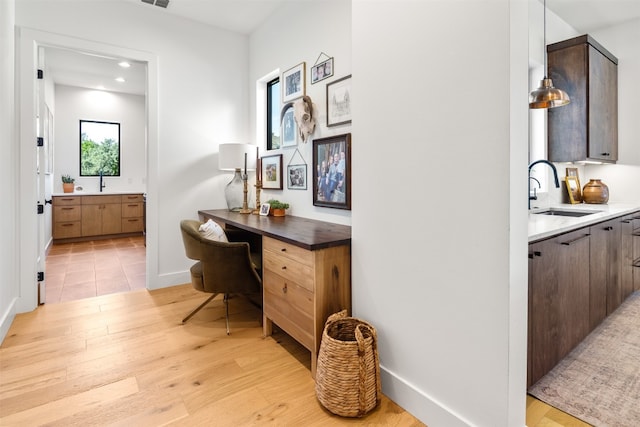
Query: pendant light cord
[(544, 38)]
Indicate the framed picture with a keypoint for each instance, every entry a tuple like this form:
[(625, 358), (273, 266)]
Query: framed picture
[(264, 209), (572, 172), (297, 177), (288, 126), (573, 187), (339, 102), (293, 83), (322, 71), (332, 171), (272, 172)]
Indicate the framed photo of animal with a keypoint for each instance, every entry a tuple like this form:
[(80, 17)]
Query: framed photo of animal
[(332, 172), (339, 102)]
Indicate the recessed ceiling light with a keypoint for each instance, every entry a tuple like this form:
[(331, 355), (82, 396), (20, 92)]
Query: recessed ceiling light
[(124, 64), (120, 79)]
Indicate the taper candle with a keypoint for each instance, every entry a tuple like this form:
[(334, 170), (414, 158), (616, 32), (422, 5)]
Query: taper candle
[(245, 163)]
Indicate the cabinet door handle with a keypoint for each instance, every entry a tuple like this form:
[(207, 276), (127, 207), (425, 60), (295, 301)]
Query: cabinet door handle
[(284, 288), (570, 242), (605, 154), (537, 253), (284, 267), (609, 228), (133, 206), (283, 250)]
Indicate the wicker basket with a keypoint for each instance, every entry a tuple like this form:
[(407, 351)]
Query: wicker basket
[(348, 369)]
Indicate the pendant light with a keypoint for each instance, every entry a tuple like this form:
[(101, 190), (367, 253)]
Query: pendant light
[(547, 96)]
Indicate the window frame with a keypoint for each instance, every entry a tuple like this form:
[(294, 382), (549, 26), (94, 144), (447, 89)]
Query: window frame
[(273, 88), (80, 159)]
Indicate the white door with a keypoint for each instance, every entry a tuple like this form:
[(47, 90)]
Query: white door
[(43, 166)]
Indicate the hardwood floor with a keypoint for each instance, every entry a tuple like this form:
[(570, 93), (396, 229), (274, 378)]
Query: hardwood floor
[(126, 359), (99, 267), (539, 414)]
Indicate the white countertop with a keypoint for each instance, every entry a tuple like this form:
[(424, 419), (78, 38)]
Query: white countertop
[(544, 226), (98, 193)]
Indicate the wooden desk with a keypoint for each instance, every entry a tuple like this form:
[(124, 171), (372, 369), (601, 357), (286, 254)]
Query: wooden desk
[(306, 273)]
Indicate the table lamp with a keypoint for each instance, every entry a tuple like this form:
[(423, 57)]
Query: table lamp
[(233, 157)]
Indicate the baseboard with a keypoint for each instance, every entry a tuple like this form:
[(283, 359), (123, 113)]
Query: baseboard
[(418, 403), (7, 319), (169, 279)]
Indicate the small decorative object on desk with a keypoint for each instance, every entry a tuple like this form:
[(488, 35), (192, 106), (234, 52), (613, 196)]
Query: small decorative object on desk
[(67, 183), (348, 370), (596, 192), (278, 208)]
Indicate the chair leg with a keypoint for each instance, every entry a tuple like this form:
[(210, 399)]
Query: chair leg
[(199, 308), (226, 306)]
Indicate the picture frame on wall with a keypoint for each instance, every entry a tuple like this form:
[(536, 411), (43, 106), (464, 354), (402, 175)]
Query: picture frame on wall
[(322, 71), (297, 177), (332, 171), (293, 83), (339, 102), (271, 172), (288, 126)]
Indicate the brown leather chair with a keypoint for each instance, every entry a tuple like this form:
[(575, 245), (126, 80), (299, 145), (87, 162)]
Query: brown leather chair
[(222, 268)]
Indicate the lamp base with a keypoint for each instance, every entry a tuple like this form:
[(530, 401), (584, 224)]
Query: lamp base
[(233, 192)]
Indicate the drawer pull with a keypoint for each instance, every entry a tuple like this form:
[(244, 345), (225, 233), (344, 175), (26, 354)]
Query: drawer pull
[(284, 288), (283, 250), (284, 267), (68, 209), (609, 228), (133, 220), (568, 243), (67, 225)]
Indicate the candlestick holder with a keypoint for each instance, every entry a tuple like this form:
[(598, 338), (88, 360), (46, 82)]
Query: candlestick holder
[(245, 206), (258, 186)]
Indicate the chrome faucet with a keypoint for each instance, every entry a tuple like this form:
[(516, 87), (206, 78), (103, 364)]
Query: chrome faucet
[(102, 183), (555, 177)]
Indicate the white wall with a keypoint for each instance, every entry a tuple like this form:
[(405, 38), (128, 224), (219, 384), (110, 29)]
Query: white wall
[(75, 104), (442, 274), (197, 74), (312, 28), (9, 289)]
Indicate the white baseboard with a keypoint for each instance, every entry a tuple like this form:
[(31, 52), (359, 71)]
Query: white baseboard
[(7, 319), (168, 279), (418, 403)]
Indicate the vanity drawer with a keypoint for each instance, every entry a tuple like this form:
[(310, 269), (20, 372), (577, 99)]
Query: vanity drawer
[(131, 209), (289, 251), (288, 268), (131, 198), (66, 200), (132, 225), (64, 230), (290, 306), (66, 213)]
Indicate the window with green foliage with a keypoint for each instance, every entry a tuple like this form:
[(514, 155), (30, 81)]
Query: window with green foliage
[(99, 148), (273, 114)]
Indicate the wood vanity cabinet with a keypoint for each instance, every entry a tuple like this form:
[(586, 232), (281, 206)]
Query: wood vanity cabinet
[(587, 128), (132, 213), (101, 215), (67, 216), (558, 300)]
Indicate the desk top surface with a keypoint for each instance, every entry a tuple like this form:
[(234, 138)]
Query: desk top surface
[(306, 233)]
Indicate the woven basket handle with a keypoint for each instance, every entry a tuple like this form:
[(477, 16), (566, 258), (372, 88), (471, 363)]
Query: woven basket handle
[(362, 366), (336, 316)]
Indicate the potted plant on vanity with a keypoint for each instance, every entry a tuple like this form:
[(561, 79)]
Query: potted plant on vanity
[(67, 183), (277, 207)]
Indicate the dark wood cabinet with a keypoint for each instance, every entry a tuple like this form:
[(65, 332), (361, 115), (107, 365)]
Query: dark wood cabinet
[(587, 128), (558, 300), (605, 267), (630, 255)]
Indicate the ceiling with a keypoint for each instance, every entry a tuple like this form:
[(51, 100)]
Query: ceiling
[(244, 16)]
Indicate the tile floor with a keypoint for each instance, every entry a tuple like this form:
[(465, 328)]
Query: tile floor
[(88, 269)]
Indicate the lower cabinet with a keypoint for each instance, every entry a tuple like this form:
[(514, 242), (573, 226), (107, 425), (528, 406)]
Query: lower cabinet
[(604, 269), (80, 216), (558, 300)]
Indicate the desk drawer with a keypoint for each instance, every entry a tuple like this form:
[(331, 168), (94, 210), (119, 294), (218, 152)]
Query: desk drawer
[(290, 269), (66, 213), (290, 306), (289, 251)]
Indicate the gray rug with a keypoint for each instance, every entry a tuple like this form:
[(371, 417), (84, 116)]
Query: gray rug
[(599, 381)]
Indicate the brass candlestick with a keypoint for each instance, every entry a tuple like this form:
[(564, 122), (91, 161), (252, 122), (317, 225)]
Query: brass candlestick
[(258, 186), (245, 206)]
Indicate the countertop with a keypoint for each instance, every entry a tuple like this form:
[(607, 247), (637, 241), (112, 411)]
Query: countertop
[(98, 193), (544, 226)]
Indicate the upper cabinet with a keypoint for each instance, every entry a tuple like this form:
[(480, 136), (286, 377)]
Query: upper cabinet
[(587, 128)]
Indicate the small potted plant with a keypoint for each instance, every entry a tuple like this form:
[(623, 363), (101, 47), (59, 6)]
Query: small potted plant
[(277, 207), (67, 183)]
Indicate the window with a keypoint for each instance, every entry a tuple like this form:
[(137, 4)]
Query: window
[(273, 114), (99, 148)]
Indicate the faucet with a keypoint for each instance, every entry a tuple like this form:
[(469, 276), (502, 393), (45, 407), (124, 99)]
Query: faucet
[(555, 177), (102, 183)]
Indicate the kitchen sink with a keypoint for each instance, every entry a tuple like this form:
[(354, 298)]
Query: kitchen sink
[(565, 212)]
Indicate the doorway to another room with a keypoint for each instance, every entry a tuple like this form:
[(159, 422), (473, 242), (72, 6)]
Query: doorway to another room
[(93, 268)]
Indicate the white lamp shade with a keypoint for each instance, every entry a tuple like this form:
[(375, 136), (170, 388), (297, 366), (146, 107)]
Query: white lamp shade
[(231, 156)]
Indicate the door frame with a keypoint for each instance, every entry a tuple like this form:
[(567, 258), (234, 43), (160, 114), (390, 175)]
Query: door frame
[(28, 42)]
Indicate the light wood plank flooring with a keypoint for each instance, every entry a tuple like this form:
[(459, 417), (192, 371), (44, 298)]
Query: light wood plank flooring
[(126, 359)]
